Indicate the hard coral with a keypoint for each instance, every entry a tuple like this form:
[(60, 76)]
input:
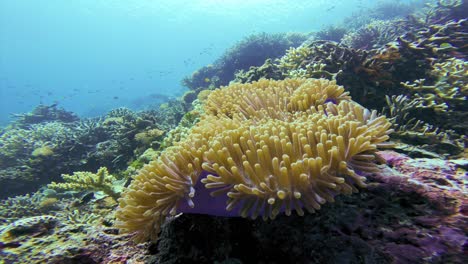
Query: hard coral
[(83, 180), (251, 51), (265, 147)]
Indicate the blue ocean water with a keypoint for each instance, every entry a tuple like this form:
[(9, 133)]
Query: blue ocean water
[(93, 56)]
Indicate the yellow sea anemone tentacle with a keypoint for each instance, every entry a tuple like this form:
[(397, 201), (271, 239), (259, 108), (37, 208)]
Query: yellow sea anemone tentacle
[(156, 191)]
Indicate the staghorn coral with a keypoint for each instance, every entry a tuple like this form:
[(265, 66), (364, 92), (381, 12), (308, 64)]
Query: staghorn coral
[(444, 98), (369, 75), (425, 138), (444, 40), (79, 218), (268, 70), (83, 180), (441, 11), (322, 59), (331, 33), (21, 206), (374, 35), (265, 147), (251, 51), (450, 90)]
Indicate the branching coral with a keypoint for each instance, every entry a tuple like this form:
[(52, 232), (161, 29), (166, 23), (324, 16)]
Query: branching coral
[(84, 180), (438, 40), (268, 70), (264, 148), (331, 33), (445, 98), (450, 90), (374, 34), (251, 51), (43, 114), (403, 113), (22, 206), (322, 59), (79, 218)]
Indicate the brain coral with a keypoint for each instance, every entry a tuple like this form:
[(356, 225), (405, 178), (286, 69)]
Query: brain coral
[(261, 149)]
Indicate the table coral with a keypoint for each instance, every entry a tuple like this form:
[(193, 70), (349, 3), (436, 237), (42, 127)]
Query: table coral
[(264, 148)]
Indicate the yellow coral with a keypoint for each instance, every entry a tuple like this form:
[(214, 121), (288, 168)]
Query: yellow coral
[(147, 137), (84, 180), (268, 146), (294, 58), (43, 151)]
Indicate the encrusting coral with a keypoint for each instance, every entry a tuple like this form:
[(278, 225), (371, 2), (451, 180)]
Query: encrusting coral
[(265, 148)]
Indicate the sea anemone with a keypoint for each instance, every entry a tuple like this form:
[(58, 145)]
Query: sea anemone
[(261, 149)]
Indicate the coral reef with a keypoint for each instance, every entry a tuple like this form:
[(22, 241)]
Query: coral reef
[(35, 226), (28, 205), (266, 147), (32, 156), (36, 154), (268, 70), (373, 74), (274, 144), (441, 11), (383, 10), (438, 40), (429, 117)]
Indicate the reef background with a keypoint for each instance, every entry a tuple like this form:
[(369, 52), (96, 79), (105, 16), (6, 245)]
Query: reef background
[(61, 174)]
